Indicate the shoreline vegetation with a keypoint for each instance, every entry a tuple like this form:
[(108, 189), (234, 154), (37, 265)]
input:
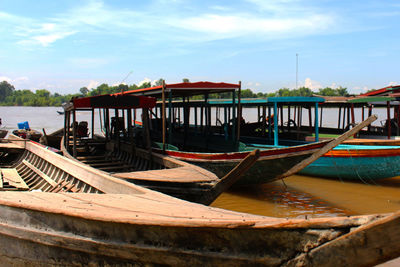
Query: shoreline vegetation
[(42, 97)]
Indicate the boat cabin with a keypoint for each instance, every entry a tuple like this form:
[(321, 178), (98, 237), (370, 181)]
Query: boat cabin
[(117, 115), (183, 118)]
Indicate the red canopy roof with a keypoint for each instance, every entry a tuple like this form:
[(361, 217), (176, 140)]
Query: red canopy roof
[(186, 89), (383, 91), (114, 101)]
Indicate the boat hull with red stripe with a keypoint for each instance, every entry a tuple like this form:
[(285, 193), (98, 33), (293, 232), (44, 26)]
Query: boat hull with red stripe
[(270, 166), (355, 162)]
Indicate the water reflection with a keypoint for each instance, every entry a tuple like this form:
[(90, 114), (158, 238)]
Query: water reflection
[(300, 196)]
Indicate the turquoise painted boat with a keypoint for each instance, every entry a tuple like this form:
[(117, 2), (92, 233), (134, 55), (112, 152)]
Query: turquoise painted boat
[(357, 162)]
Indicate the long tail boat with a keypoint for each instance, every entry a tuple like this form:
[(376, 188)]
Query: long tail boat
[(215, 145), (115, 155), (356, 159), (57, 211)]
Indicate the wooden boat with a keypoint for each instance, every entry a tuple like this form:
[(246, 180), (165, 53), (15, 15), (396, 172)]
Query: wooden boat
[(357, 162), (221, 141), (53, 139), (84, 216), (142, 229), (28, 134), (142, 166), (365, 162), (3, 133)]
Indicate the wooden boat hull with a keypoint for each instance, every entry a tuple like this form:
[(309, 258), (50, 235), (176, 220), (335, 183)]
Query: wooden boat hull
[(126, 230), (357, 163), (3, 133), (271, 164)]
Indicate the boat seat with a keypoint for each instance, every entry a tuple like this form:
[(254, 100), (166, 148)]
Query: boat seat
[(11, 180), (181, 175)]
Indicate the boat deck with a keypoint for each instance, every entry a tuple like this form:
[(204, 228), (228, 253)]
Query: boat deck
[(153, 208), (179, 175)]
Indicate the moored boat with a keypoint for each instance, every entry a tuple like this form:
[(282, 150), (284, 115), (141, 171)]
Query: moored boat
[(357, 159), (84, 216), (216, 145), (3, 133), (119, 156), (357, 162)]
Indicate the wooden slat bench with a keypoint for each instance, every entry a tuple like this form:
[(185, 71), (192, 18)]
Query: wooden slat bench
[(11, 177)]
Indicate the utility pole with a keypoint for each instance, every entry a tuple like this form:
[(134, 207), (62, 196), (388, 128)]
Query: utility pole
[(297, 68)]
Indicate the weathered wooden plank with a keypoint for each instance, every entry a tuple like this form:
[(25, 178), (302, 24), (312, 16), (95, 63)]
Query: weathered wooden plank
[(1, 180), (107, 164), (182, 175), (40, 173), (368, 245), (12, 177)]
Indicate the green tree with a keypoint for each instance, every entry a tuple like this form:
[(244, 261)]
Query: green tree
[(159, 82), (84, 91), (6, 89), (185, 80)]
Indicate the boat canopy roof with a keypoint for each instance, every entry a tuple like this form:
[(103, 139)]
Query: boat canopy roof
[(118, 101), (384, 91), (291, 100), (372, 99), (186, 89)]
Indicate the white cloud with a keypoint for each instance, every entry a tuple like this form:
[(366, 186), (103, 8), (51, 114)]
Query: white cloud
[(4, 78), (393, 83), (313, 85), (359, 89), (145, 80), (262, 19), (92, 84), (237, 25)]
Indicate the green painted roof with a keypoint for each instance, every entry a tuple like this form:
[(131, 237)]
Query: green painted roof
[(372, 99)]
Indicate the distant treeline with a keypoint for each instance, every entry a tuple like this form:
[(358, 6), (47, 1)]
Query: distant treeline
[(11, 97)]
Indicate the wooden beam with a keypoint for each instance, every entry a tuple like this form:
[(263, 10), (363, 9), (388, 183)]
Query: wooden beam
[(40, 173), (11, 176), (328, 147)]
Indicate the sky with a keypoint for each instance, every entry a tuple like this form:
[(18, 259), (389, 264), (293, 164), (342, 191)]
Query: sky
[(62, 46)]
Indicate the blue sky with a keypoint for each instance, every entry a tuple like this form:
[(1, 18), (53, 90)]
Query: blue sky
[(65, 45)]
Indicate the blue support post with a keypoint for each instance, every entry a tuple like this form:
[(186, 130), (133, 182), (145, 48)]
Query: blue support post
[(276, 124)]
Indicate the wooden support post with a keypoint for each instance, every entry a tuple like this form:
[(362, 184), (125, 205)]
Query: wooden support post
[(145, 117), (264, 119), (129, 123), (195, 119), (74, 133), (170, 122), (369, 114), (239, 111), (339, 117), (163, 114), (92, 123), (310, 119), (320, 117), (316, 123), (362, 113), (66, 130), (388, 121), (107, 123), (234, 120)]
